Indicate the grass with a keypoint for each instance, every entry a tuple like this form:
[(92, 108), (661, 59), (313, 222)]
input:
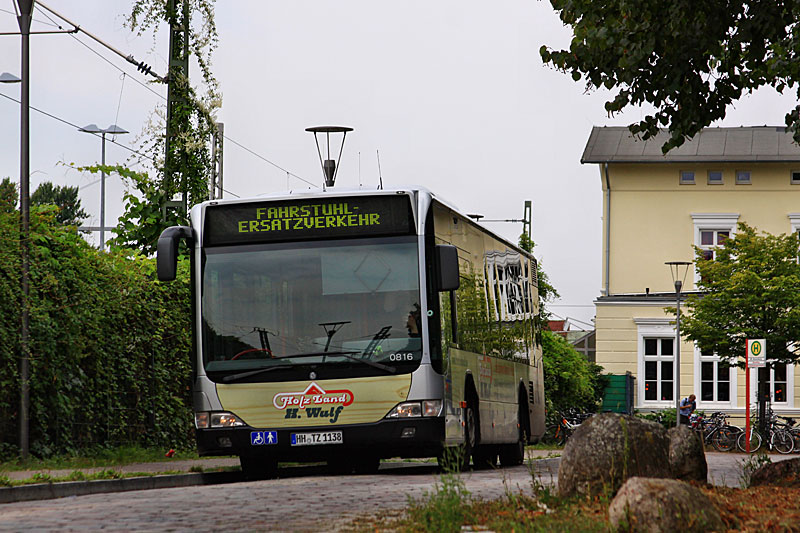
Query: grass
[(449, 507), (98, 458)]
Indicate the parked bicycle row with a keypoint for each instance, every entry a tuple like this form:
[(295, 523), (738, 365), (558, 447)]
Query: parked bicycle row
[(782, 433)]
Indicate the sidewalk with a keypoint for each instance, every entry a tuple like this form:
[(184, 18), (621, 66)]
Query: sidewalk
[(179, 466), (150, 468)]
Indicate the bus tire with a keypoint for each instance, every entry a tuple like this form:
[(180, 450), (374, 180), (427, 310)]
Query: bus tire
[(470, 436), (514, 454), (367, 464), (484, 456), (256, 468)]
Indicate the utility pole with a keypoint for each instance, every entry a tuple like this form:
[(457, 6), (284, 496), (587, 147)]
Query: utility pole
[(177, 111), (217, 138), (24, 19)]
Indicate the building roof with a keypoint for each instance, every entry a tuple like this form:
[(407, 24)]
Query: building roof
[(712, 145)]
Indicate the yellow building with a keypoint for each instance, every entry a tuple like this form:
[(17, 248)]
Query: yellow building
[(655, 209)]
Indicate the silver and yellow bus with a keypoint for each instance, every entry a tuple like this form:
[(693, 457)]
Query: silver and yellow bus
[(352, 326)]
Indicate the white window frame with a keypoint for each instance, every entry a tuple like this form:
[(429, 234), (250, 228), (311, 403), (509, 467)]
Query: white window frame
[(789, 403), (794, 221), (649, 328), (699, 358), (713, 222)]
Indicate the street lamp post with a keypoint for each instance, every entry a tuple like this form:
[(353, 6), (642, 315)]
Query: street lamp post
[(676, 267), (114, 130), (24, 18)]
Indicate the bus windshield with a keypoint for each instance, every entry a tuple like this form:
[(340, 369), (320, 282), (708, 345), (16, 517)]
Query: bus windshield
[(337, 308)]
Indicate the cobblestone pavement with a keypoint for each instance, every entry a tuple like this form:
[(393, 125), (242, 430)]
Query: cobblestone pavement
[(312, 502)]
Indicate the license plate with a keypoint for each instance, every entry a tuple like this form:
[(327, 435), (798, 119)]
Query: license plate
[(317, 437)]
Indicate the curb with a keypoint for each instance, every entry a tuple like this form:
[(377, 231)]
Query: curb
[(48, 491)]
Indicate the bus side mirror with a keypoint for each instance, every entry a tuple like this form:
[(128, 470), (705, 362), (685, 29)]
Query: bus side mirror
[(447, 268), (167, 250)]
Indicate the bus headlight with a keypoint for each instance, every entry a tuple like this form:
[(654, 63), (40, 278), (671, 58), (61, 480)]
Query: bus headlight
[(204, 419), (416, 409)]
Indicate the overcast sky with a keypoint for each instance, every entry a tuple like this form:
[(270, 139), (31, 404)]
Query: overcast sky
[(452, 93)]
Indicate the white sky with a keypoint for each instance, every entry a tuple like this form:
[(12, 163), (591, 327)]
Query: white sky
[(452, 93)]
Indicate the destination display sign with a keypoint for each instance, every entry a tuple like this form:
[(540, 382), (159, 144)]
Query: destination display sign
[(310, 218)]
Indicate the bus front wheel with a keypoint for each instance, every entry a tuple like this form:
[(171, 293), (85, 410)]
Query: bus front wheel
[(255, 468)]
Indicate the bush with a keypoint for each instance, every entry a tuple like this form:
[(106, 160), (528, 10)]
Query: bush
[(109, 345), (570, 381)]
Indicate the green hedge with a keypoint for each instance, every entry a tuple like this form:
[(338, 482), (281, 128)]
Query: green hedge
[(109, 344)]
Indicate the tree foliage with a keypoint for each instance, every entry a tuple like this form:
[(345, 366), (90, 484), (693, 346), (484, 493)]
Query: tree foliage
[(751, 289), (547, 293), (570, 381), (65, 198), (9, 194), (109, 345), (184, 171), (690, 60)]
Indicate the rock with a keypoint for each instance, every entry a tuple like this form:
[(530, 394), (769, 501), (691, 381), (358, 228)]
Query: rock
[(687, 458), (782, 473), (662, 505), (609, 448)]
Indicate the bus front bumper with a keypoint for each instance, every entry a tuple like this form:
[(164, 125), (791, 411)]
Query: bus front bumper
[(409, 437)]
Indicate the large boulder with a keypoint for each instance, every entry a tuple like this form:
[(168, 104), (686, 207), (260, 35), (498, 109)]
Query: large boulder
[(782, 473), (662, 505), (609, 448), (687, 458)]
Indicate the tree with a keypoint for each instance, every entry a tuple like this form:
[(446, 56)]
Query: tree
[(690, 60), (751, 289), (570, 381), (70, 212), (547, 293), (183, 171), (9, 194)]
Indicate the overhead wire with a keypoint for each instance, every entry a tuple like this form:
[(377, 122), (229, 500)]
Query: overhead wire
[(67, 122), (146, 86)]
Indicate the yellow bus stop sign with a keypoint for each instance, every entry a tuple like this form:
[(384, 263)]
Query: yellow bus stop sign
[(756, 353)]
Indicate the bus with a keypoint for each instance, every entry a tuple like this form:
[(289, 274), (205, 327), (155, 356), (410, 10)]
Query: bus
[(352, 326)]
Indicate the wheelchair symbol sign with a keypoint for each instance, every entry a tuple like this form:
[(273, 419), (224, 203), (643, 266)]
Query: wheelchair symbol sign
[(261, 438)]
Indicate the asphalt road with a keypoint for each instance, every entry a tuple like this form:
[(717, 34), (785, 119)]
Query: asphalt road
[(305, 500)]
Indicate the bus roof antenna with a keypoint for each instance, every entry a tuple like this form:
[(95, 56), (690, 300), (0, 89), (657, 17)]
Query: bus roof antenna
[(329, 167)]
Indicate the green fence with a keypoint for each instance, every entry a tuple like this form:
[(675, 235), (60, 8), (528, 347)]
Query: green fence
[(618, 395)]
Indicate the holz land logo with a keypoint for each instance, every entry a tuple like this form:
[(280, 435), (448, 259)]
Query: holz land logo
[(310, 399)]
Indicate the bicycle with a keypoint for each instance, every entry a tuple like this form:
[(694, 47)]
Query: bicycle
[(778, 438)]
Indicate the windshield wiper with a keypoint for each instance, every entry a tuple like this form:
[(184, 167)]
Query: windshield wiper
[(243, 375), (348, 355)]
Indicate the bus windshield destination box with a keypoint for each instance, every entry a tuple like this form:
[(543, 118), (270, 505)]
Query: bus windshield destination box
[(317, 218)]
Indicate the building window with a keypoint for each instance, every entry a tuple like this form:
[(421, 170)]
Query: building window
[(711, 230), (687, 177), (715, 177), (743, 177), (781, 384), (795, 177), (710, 239), (659, 369), (778, 383), (716, 380)]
